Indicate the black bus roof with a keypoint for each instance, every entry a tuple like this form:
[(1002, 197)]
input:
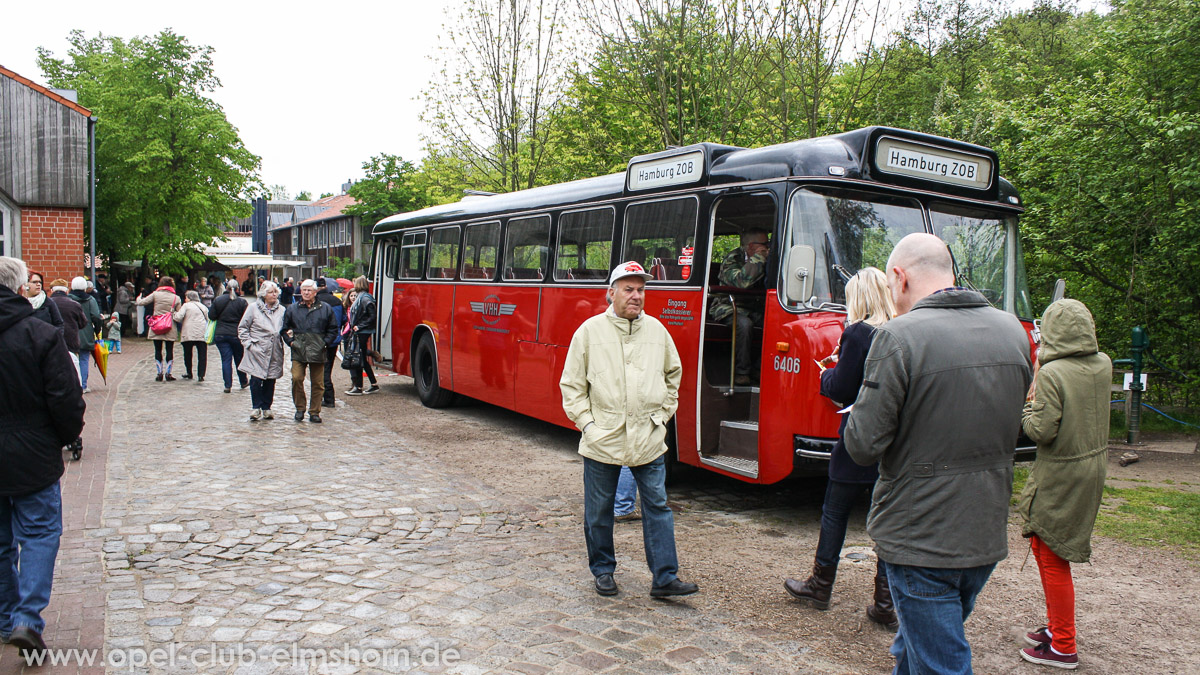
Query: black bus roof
[(847, 155)]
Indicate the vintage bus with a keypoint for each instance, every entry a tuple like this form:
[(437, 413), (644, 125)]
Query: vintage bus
[(480, 298)]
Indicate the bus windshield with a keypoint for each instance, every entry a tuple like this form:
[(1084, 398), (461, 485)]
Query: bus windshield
[(982, 243), (849, 230)]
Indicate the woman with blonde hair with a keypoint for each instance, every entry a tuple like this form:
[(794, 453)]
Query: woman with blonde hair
[(361, 317), (868, 306)]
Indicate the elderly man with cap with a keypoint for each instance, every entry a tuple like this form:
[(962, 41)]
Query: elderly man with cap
[(620, 386)]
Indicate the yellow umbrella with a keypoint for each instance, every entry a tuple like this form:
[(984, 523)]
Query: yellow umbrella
[(100, 355)]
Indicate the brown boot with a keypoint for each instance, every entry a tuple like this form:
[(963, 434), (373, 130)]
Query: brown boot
[(883, 611), (816, 589)]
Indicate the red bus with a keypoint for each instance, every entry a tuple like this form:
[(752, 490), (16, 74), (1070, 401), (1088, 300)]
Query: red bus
[(480, 298)]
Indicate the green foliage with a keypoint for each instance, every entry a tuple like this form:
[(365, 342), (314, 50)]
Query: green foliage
[(277, 192), (390, 187), (170, 167), (325, 194), (344, 268), (304, 196)]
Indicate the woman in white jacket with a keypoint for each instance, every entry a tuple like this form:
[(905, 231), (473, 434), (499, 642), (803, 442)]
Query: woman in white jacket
[(193, 316)]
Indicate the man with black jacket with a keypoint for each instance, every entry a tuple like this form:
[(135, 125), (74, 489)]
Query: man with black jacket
[(325, 295), (309, 327), (41, 410)]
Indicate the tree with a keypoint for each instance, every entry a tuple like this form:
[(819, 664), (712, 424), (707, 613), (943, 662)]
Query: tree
[(304, 196), (325, 194), (501, 73), (390, 187), (278, 192), (170, 167)]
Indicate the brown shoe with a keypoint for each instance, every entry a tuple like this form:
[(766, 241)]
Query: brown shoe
[(815, 590), (883, 611)]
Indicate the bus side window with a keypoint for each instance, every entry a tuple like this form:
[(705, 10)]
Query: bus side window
[(443, 253), (585, 245), (412, 255), (526, 248), (479, 251), (660, 227)]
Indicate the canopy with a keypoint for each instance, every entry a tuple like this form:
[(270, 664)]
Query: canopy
[(254, 260)]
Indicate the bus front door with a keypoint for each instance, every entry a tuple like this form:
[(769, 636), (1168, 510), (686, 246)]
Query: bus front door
[(385, 284)]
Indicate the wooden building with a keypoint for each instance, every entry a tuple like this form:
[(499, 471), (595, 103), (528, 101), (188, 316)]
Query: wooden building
[(43, 176)]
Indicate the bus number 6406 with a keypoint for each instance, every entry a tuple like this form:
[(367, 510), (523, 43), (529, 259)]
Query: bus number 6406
[(787, 364)]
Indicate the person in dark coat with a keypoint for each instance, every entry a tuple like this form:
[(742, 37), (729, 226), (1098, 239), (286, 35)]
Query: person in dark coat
[(325, 295), (287, 292), (362, 326), (868, 305), (73, 319), (41, 410), (227, 311), (44, 308), (308, 328)]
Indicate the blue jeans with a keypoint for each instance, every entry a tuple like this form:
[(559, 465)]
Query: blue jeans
[(231, 357), (835, 516), (83, 367), (30, 526), (626, 500), (658, 523), (933, 603), (262, 393)]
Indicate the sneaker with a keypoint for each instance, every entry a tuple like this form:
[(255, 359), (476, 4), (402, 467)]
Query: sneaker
[(268, 415), (373, 388), (315, 418), (1040, 636), (87, 390), (255, 415), (627, 517), (1046, 656), (355, 391)]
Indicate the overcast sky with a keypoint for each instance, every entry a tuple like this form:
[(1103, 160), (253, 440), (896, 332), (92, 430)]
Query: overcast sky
[(314, 88)]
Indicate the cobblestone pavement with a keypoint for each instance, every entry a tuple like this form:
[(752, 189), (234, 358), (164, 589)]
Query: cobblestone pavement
[(237, 546)]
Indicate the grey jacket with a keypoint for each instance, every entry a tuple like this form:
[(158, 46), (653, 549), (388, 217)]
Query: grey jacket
[(258, 331), (940, 410)]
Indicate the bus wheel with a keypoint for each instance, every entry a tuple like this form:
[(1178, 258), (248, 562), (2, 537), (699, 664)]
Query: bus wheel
[(425, 374)]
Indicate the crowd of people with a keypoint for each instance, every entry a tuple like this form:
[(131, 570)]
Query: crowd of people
[(935, 385)]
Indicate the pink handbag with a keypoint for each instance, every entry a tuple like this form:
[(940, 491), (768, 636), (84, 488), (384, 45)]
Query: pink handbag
[(161, 324)]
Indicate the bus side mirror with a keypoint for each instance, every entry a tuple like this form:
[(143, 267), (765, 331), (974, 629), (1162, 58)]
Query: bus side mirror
[(799, 267)]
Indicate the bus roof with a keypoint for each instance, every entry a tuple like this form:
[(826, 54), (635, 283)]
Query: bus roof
[(850, 155)]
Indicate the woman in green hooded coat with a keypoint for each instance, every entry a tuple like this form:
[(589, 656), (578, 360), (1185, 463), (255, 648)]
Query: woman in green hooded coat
[(1067, 416)]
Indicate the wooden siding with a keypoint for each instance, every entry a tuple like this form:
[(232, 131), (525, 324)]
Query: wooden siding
[(43, 148)]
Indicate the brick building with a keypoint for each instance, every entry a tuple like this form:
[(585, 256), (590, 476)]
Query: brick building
[(43, 176)]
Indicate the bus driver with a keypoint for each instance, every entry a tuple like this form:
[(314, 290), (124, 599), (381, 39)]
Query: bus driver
[(743, 267), (620, 386)]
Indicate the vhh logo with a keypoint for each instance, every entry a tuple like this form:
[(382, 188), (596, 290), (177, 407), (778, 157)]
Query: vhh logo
[(491, 309)]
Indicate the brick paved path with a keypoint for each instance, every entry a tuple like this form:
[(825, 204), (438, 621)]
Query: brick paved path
[(232, 546)]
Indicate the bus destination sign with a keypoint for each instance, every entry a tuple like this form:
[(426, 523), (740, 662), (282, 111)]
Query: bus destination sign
[(928, 162), (663, 171)]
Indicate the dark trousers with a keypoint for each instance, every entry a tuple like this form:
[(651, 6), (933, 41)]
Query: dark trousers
[(231, 352), (262, 393), (330, 357), (356, 375), (126, 323), (164, 361), (835, 516), (201, 356)]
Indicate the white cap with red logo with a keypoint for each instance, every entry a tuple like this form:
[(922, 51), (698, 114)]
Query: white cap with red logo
[(628, 269)]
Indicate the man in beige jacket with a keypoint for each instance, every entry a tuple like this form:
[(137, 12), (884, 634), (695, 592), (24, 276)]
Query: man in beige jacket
[(620, 386)]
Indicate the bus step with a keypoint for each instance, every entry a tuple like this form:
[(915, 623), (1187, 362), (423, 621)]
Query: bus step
[(739, 439), (742, 467)]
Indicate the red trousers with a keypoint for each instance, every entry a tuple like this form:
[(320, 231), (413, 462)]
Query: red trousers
[(1060, 595)]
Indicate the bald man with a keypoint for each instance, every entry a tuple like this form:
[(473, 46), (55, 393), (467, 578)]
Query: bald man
[(940, 410)]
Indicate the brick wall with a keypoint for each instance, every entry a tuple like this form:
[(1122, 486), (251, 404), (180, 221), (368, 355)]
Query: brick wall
[(52, 241)]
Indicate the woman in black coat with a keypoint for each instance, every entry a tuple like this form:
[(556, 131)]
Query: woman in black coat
[(868, 305), (44, 309)]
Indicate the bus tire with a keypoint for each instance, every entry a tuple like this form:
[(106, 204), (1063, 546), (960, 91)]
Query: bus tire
[(425, 375)]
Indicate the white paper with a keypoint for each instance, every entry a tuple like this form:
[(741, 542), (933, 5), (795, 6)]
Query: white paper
[(846, 410)]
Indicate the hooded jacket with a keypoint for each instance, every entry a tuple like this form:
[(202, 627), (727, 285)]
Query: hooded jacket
[(1068, 419), (41, 402), (620, 386), (940, 410), (93, 321)]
